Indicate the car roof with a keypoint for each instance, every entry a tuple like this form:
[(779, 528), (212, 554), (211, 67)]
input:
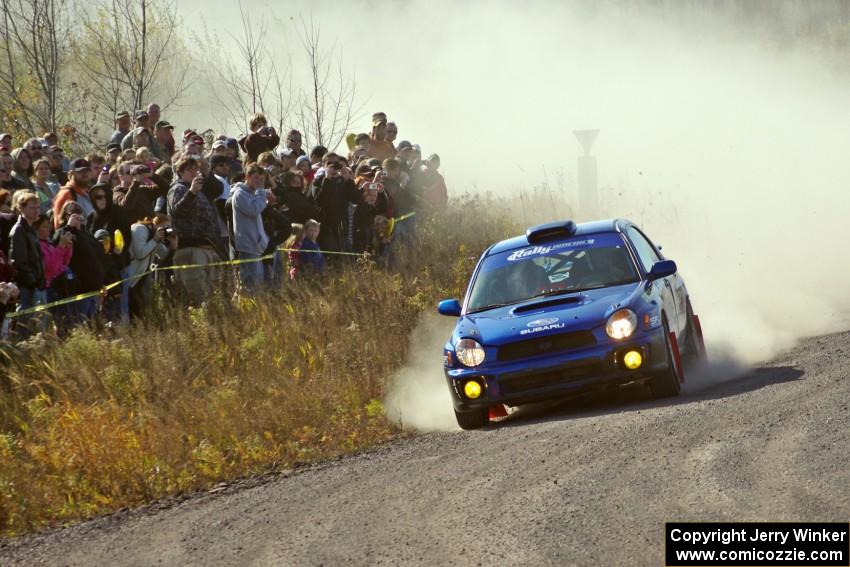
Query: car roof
[(585, 228)]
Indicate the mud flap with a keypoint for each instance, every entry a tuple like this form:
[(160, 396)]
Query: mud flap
[(497, 411), (700, 339), (677, 357)]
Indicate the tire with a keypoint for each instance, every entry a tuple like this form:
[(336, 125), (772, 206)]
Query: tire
[(473, 419), (666, 384)]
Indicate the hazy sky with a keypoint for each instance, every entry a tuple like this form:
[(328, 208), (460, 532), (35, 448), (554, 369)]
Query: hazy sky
[(728, 145)]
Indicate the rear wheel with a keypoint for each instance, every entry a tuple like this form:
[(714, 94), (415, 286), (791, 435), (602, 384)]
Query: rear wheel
[(472, 419), (666, 383)]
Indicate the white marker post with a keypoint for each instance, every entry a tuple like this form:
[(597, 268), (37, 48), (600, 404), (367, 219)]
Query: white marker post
[(588, 192)]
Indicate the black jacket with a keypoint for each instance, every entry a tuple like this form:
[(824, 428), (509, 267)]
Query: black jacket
[(299, 207), (278, 227), (25, 254), (86, 261), (13, 184), (110, 219), (363, 220), (333, 196), (7, 221)]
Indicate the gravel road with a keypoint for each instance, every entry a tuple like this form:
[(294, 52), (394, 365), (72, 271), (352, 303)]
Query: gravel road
[(585, 482)]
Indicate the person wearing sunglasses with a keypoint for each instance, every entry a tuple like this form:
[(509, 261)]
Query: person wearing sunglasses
[(392, 133), (111, 218)]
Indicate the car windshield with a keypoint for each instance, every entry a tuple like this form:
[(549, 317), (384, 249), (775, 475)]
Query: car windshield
[(552, 268)]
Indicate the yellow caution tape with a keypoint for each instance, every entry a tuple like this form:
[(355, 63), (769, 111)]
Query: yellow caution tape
[(106, 288)]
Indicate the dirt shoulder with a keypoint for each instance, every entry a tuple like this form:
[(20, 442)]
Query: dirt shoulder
[(589, 481)]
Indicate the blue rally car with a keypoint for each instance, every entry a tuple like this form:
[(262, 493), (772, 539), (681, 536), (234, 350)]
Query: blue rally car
[(564, 309)]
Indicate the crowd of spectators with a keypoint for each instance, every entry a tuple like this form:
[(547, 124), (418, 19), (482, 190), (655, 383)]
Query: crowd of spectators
[(147, 203)]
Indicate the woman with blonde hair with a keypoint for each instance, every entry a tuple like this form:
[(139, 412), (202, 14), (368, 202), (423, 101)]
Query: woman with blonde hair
[(152, 238), (304, 253)]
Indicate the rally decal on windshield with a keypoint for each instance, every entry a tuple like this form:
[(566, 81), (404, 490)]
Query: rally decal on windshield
[(538, 250)]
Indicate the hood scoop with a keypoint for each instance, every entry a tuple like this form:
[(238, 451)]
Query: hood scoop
[(566, 300)]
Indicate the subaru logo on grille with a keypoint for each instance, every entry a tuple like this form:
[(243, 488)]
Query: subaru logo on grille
[(543, 322)]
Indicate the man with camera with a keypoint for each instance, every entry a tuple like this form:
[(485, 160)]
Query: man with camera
[(333, 192), (136, 192), (262, 138), (151, 239), (194, 219)]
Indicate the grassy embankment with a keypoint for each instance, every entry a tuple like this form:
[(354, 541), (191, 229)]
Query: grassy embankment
[(199, 396)]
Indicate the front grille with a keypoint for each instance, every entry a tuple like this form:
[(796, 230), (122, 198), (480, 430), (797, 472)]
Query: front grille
[(527, 381), (545, 345)]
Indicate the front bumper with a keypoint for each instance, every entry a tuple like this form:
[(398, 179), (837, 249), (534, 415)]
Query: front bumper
[(559, 374)]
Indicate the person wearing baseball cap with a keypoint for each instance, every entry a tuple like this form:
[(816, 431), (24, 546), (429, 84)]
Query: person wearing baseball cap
[(143, 133), (75, 190), (233, 153), (164, 135), (287, 158), (122, 127), (142, 118), (379, 147), (403, 154), (112, 153)]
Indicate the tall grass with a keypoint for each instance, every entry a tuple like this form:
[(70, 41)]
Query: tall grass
[(201, 395)]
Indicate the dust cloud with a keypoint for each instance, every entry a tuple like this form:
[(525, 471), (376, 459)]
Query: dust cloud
[(418, 396), (723, 127)]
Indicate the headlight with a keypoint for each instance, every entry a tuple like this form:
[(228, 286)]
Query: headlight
[(621, 324), (469, 352)]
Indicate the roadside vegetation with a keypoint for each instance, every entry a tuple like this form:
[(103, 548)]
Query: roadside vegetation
[(197, 396)]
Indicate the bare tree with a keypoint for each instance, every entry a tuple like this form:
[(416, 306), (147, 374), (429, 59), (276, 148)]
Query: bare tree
[(252, 80), (123, 51), (35, 48), (327, 106)]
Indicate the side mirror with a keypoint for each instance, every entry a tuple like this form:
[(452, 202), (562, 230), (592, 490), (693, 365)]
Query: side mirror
[(450, 307), (662, 269)]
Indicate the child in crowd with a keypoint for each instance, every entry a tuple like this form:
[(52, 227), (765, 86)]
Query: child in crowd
[(304, 238), (379, 246), (57, 256), (143, 155)]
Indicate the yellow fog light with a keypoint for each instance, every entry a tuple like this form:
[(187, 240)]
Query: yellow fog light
[(472, 390), (632, 360)]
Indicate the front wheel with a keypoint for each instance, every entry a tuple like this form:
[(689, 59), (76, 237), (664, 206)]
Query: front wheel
[(695, 350), (666, 384), (472, 419)]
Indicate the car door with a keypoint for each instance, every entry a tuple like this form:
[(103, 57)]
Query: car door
[(648, 256)]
